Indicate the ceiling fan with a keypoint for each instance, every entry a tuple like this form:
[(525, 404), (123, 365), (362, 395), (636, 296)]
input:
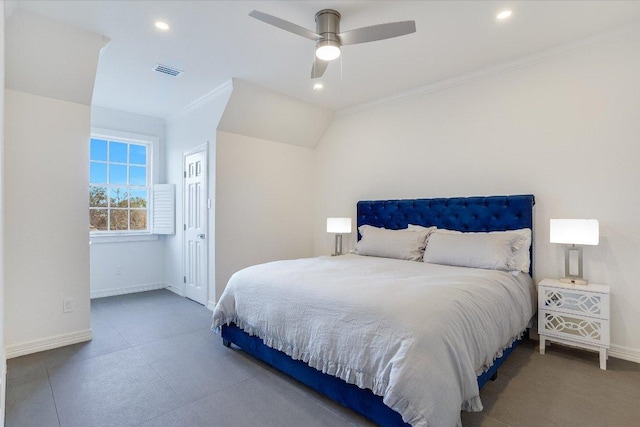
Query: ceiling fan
[(328, 37)]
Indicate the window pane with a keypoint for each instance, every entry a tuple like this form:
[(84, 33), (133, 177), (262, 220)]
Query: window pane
[(98, 150), (137, 154), (117, 174), (138, 219), (97, 196), (98, 219), (118, 192), (138, 198), (119, 197), (97, 173), (119, 219), (137, 175), (117, 152)]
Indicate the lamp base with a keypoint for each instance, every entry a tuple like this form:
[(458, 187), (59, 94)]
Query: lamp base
[(338, 247), (575, 281)]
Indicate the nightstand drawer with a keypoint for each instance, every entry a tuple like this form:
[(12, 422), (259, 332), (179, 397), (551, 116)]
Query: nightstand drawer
[(574, 301), (574, 327)]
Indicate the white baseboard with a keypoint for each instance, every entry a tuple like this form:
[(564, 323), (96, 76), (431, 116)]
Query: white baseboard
[(127, 290), (176, 290), (35, 346), (3, 386), (211, 305), (625, 353), (619, 352)]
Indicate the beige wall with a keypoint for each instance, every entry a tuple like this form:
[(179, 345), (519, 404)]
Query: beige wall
[(119, 267), (565, 130), (189, 129), (264, 203), (3, 360), (46, 221), (50, 71)]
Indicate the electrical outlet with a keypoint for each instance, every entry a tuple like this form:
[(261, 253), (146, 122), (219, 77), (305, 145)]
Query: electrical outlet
[(118, 270), (67, 306)]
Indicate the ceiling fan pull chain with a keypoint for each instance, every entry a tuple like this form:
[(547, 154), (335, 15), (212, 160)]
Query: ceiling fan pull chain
[(340, 73)]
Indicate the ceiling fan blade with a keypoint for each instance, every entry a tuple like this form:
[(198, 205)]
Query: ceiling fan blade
[(285, 25), (319, 67), (377, 32)]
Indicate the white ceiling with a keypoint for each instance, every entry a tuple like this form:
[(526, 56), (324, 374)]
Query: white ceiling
[(213, 41)]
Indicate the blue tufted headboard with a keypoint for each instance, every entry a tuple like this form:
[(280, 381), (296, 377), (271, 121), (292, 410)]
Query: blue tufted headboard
[(492, 213)]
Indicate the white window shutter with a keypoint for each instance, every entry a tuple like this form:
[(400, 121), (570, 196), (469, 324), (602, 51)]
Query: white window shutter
[(163, 219)]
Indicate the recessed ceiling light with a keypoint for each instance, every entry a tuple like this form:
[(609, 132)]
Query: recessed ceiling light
[(162, 25), (318, 86), (504, 15)]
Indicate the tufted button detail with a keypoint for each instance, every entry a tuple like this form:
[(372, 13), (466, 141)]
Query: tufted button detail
[(458, 213)]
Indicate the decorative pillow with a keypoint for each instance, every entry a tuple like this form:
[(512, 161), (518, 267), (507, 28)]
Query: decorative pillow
[(399, 244), (521, 246), (491, 251)]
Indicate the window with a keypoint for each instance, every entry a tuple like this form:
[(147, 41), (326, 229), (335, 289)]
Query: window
[(119, 184)]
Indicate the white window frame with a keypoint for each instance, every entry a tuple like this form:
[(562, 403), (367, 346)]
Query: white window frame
[(151, 142)]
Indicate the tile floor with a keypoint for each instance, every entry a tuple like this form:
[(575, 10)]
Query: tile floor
[(154, 362)]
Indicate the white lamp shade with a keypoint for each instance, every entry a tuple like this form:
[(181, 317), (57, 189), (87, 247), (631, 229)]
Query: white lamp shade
[(574, 231), (339, 225)]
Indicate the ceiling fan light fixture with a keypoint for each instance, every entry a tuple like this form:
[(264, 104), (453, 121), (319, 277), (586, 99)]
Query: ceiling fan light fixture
[(505, 14), (161, 25), (328, 50)]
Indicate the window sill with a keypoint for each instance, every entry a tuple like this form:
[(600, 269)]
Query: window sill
[(122, 238)]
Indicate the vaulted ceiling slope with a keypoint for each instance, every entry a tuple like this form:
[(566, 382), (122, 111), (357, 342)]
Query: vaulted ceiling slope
[(48, 58), (287, 119), (214, 41)]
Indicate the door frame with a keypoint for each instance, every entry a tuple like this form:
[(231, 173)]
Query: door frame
[(193, 150)]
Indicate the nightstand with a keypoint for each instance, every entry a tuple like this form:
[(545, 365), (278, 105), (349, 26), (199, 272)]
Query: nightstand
[(576, 315)]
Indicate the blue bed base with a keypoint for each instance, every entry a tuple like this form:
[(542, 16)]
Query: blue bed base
[(361, 400), (493, 213)]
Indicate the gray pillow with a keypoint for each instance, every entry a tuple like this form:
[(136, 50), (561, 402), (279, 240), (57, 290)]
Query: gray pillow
[(399, 244), (491, 251)]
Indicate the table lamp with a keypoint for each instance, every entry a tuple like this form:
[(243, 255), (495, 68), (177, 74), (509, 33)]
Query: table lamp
[(574, 232), (338, 226)]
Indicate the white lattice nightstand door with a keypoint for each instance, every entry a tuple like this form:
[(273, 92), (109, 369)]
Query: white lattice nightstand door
[(575, 315)]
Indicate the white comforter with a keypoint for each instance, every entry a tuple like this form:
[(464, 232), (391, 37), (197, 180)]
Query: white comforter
[(417, 334)]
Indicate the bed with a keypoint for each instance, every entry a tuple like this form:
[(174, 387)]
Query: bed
[(373, 333)]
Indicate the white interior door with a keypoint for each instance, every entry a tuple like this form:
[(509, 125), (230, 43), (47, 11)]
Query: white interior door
[(195, 225)]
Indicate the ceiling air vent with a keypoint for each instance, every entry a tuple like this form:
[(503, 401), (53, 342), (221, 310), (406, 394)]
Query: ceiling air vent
[(164, 69)]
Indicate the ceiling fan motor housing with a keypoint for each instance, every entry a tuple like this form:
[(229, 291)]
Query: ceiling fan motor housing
[(328, 26)]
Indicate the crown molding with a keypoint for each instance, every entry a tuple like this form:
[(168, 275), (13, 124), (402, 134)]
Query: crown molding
[(204, 99), (567, 49)]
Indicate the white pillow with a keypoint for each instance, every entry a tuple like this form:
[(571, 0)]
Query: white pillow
[(491, 251), (521, 249), (521, 246), (399, 244), (414, 227)]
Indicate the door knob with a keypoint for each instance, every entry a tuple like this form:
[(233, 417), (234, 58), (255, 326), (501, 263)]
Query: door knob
[(200, 236)]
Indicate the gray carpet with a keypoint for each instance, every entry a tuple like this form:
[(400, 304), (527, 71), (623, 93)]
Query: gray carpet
[(154, 362)]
